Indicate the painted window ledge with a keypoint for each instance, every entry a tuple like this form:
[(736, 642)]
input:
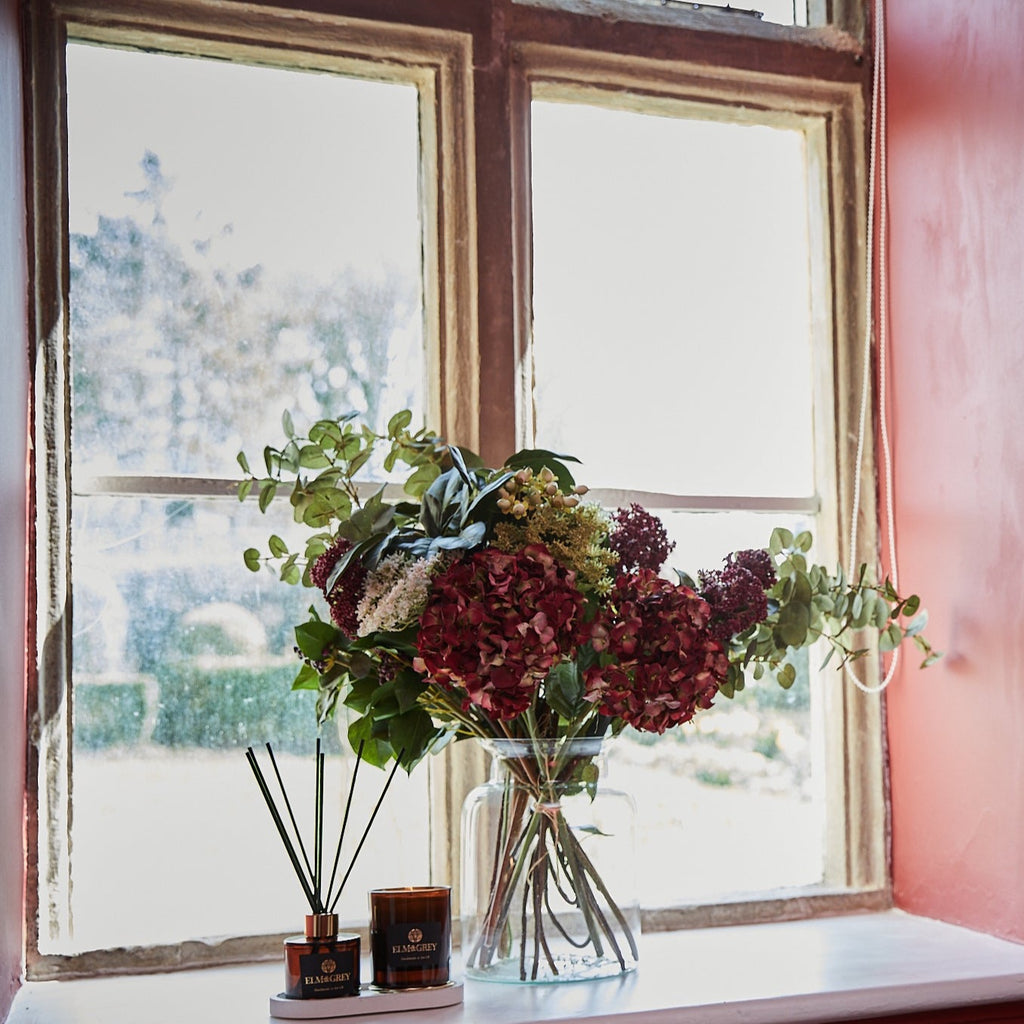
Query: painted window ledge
[(836, 968)]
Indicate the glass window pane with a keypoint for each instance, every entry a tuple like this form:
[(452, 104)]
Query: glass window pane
[(243, 240), (671, 301), (710, 792), (672, 353), (182, 658)]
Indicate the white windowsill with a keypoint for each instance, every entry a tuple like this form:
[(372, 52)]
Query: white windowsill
[(839, 968)]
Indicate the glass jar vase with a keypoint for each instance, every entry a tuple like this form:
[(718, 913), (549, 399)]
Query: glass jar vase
[(548, 858)]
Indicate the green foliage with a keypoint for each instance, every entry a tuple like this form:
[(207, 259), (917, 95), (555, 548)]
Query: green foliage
[(455, 504), (807, 603)]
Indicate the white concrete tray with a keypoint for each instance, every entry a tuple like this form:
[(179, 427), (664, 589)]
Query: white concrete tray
[(369, 1000)]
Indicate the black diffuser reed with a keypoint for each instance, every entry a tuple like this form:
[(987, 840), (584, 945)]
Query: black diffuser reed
[(310, 874), (305, 956)]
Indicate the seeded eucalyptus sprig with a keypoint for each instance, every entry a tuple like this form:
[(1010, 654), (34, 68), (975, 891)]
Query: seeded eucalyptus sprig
[(807, 603)]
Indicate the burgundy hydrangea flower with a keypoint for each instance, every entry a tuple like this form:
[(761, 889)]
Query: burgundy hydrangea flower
[(736, 597), (666, 665), (758, 561), (348, 590), (495, 624), (640, 539)]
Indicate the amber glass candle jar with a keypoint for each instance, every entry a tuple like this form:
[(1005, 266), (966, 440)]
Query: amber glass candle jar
[(411, 936), (321, 964)]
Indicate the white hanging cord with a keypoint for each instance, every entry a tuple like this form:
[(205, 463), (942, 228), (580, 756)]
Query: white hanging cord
[(877, 166)]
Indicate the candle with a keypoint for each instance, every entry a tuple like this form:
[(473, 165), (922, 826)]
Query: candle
[(411, 936)]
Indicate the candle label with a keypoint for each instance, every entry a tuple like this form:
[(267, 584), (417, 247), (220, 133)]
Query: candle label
[(417, 945), (329, 974)]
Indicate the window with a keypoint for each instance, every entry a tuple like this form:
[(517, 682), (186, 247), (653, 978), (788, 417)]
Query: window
[(521, 239), (672, 305)]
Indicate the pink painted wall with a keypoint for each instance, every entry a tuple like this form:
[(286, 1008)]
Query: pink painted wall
[(13, 397), (956, 152)]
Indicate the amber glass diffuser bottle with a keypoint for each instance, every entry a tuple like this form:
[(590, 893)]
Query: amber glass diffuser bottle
[(411, 936), (321, 963)]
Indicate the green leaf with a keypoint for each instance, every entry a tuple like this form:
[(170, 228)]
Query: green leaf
[(794, 620), (786, 675), (890, 639), (311, 456), (399, 422), (917, 624), (376, 749), (421, 478), (287, 424), (803, 541), (244, 463), (245, 488), (563, 689), (412, 734), (911, 605), (313, 637), (268, 488), (307, 678), (278, 548), (252, 558), (469, 538), (408, 687)]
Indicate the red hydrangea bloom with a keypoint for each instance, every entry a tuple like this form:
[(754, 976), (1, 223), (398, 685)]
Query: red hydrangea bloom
[(640, 539), (495, 624), (348, 589), (666, 665)]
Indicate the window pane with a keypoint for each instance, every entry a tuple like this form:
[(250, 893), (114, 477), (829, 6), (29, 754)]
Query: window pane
[(243, 240), (672, 353), (182, 658), (671, 301)]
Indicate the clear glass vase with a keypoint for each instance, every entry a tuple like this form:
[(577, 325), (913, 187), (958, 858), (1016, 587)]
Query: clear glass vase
[(548, 856)]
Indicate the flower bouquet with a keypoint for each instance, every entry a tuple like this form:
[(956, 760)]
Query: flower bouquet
[(498, 603)]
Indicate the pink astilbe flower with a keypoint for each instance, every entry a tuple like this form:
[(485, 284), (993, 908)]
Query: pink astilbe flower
[(640, 539), (665, 663), (495, 624), (344, 599)]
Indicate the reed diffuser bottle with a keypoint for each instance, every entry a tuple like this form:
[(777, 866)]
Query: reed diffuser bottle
[(321, 963)]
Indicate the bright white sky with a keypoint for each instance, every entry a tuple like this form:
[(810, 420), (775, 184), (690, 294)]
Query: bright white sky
[(671, 301), (313, 172)]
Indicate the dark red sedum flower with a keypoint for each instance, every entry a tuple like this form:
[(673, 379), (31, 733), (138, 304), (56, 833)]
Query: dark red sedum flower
[(348, 590), (640, 539), (736, 594)]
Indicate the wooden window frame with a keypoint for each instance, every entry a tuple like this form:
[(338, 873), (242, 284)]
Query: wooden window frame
[(478, 61)]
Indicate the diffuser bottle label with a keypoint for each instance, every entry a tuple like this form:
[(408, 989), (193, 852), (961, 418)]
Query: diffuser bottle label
[(328, 974), (416, 945)]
